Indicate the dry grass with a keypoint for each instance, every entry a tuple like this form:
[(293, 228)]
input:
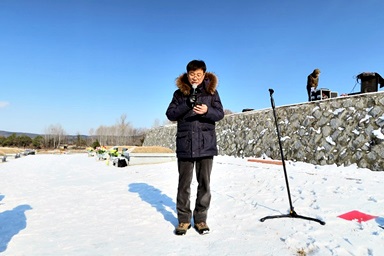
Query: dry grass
[(132, 149), (152, 149), (147, 149), (6, 151)]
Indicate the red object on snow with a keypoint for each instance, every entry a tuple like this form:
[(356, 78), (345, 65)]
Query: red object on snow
[(265, 161), (356, 215)]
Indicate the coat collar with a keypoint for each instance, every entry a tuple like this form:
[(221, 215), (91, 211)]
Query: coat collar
[(210, 82)]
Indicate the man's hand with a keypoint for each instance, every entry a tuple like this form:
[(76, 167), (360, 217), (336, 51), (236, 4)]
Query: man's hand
[(200, 109)]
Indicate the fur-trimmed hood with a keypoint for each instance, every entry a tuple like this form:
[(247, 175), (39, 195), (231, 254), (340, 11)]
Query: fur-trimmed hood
[(210, 81)]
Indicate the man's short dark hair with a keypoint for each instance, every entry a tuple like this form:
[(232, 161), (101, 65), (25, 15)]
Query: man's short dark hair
[(195, 65)]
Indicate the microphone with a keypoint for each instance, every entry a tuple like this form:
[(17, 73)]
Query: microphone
[(193, 97), (194, 86)]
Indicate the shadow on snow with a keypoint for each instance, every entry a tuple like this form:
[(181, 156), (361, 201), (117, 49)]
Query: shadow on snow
[(156, 199), (11, 223)]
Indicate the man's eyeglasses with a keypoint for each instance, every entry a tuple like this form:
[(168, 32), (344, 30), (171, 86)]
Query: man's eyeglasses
[(198, 75)]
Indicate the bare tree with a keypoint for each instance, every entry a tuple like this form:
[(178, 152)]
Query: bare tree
[(156, 123), (54, 135), (91, 133), (101, 134), (122, 133), (121, 130), (167, 122)]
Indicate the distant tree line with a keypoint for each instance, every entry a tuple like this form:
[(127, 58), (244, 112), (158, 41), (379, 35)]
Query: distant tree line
[(22, 141), (38, 142), (122, 133)]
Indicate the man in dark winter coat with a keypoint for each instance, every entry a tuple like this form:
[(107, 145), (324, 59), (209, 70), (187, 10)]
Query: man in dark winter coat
[(312, 82), (196, 106)]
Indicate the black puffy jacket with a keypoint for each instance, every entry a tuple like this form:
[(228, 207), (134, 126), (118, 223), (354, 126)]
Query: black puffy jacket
[(196, 135)]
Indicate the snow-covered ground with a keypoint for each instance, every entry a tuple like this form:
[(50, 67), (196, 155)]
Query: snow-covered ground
[(75, 205)]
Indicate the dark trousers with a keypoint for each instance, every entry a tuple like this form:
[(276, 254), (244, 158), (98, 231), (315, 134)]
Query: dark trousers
[(309, 93), (203, 200)]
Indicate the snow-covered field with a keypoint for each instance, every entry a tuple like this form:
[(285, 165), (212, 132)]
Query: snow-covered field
[(75, 205)]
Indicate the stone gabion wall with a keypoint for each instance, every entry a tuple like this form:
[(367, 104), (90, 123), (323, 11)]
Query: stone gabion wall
[(342, 131)]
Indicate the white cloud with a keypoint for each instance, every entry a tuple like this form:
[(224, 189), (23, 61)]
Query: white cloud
[(3, 104)]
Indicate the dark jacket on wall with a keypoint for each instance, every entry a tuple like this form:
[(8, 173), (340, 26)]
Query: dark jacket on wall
[(312, 81), (196, 135)]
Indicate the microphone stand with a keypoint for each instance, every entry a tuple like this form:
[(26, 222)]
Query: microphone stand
[(292, 213)]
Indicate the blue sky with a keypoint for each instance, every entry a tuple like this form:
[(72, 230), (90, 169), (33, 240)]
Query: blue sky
[(82, 64)]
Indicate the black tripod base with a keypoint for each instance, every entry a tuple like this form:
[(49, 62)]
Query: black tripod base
[(292, 214)]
